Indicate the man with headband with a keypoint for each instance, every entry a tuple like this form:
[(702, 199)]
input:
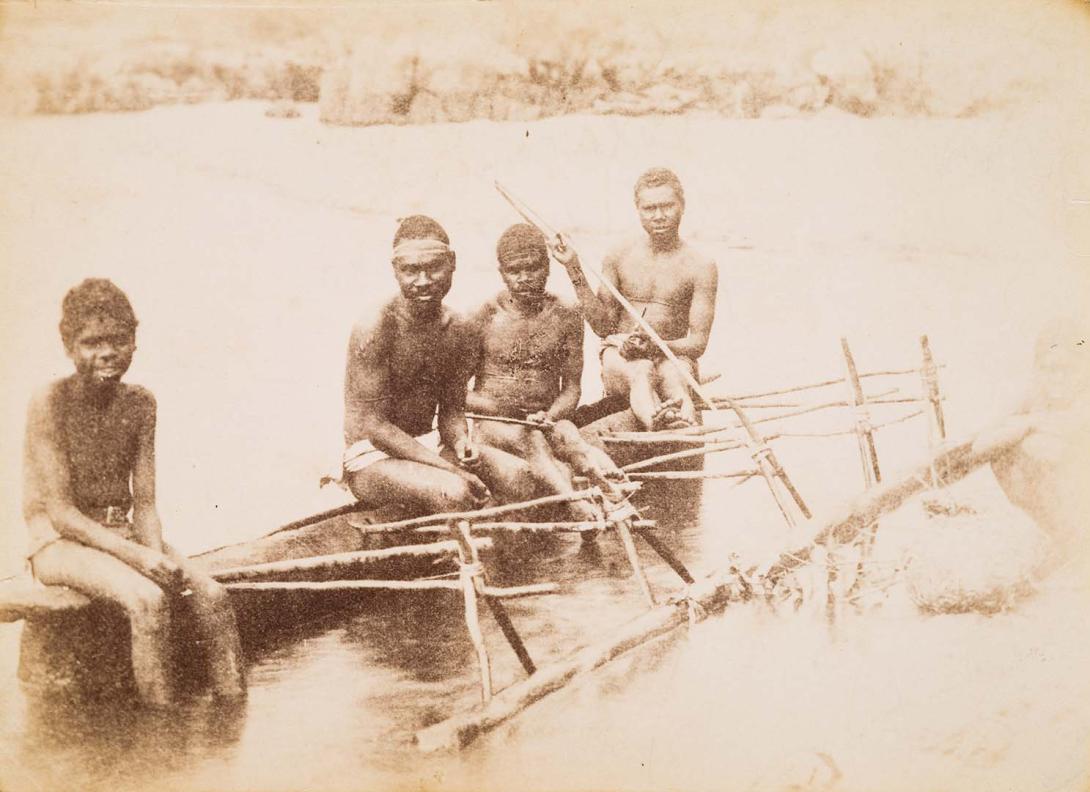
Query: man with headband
[(674, 287), (407, 367), (530, 367)]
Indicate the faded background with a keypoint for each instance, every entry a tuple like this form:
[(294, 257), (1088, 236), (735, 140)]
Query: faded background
[(870, 170)]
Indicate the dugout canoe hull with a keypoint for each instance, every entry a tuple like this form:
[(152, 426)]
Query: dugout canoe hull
[(71, 643)]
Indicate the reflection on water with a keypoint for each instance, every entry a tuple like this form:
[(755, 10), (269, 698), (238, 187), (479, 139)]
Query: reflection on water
[(335, 698), (756, 698)]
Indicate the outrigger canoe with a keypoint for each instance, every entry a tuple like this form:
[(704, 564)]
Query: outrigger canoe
[(69, 640)]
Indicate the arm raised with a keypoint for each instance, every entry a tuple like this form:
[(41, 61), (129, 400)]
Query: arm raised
[(600, 310)]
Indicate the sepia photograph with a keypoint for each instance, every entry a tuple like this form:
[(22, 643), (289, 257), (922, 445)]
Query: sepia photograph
[(544, 396)]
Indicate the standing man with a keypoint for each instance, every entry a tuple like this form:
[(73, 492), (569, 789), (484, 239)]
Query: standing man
[(672, 284), (408, 366)]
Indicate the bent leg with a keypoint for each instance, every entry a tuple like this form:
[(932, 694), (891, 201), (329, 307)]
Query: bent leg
[(571, 447), (98, 574), (421, 489), (672, 386), (633, 378), (216, 626)]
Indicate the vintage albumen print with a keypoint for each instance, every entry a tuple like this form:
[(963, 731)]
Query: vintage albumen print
[(545, 396)]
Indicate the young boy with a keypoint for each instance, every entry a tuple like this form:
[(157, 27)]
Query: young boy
[(89, 461), (672, 285), (405, 365), (530, 367)]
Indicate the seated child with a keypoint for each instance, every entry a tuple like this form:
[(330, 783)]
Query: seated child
[(89, 497)]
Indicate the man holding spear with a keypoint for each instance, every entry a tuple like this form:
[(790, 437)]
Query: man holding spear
[(672, 285)]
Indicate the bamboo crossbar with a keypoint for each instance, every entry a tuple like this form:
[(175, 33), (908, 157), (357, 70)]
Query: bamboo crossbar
[(707, 448), (391, 585), (478, 514), (344, 585), (538, 527), (825, 384), (340, 560), (691, 475)]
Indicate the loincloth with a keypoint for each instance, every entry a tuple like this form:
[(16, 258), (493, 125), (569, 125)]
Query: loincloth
[(363, 453), (113, 518)]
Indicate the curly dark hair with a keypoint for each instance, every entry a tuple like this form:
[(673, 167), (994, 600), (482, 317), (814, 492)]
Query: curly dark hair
[(420, 227), (659, 177), (93, 297)]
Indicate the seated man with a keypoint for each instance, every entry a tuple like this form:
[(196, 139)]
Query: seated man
[(89, 461), (405, 364), (1046, 474), (672, 285), (530, 366)]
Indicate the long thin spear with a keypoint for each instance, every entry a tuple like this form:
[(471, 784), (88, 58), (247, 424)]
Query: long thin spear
[(763, 454)]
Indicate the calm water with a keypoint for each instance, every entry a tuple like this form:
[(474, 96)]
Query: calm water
[(250, 245), (334, 700)]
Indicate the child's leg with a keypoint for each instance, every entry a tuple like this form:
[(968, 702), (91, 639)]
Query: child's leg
[(216, 626), (98, 574), (633, 378), (673, 386)]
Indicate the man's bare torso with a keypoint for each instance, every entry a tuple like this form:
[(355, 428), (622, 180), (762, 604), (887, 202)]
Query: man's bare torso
[(659, 285), (522, 357), (406, 365)]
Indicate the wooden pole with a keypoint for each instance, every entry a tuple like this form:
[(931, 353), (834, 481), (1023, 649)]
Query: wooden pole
[(634, 561), (506, 420), (931, 381), (762, 453), (470, 578), (936, 423), (872, 474), (469, 548), (691, 475), (666, 554), (481, 514), (461, 730), (712, 593), (538, 527), (867, 450), (342, 585), (708, 448), (339, 561)]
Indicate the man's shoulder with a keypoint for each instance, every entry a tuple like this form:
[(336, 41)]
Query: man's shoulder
[(373, 322), (485, 311), (44, 395), (630, 246), (563, 309), (697, 259), (460, 326), (137, 395)]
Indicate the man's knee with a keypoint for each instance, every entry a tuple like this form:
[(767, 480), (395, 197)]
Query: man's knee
[(210, 594), (639, 370), (148, 605)]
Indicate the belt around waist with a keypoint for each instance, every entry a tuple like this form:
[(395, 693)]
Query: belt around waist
[(108, 515)]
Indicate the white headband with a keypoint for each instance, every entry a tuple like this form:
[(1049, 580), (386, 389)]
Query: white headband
[(415, 250)]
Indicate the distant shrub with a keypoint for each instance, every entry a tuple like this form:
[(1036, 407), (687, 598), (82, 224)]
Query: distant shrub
[(452, 62)]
